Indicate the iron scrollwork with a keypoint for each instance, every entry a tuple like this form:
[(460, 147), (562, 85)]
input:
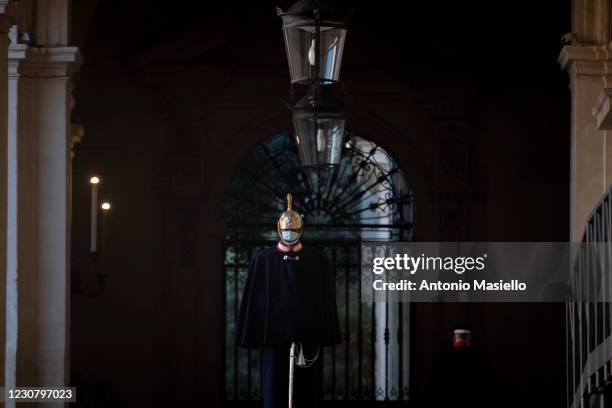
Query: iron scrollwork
[(366, 190)]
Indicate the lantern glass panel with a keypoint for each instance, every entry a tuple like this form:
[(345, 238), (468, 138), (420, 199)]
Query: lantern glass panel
[(319, 140), (300, 42)]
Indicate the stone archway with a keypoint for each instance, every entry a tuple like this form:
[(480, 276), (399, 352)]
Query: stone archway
[(366, 197)]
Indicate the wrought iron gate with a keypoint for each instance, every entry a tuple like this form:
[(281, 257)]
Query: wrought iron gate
[(364, 198)]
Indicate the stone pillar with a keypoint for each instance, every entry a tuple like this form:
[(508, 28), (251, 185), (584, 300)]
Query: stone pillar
[(588, 67), (39, 157), (16, 53), (590, 21), (3, 173), (44, 201)]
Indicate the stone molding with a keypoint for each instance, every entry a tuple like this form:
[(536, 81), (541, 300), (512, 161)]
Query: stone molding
[(592, 62), (49, 62), (18, 52), (587, 61)]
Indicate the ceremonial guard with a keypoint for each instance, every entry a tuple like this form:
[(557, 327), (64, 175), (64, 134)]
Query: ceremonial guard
[(288, 310)]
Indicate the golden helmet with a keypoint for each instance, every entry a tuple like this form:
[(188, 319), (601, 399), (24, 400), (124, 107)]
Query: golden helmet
[(290, 224)]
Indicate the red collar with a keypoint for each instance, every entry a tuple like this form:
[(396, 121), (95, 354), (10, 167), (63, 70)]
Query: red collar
[(281, 246)]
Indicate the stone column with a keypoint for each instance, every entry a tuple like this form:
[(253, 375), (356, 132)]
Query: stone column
[(44, 129), (16, 53), (588, 67), (39, 143), (3, 172)]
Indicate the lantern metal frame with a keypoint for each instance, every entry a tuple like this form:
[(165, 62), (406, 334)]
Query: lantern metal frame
[(319, 105), (307, 13), (319, 146)]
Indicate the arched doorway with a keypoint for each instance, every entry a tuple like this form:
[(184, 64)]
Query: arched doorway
[(365, 198)]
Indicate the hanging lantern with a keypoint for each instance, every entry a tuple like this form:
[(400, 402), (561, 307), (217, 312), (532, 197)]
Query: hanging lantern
[(314, 44), (319, 129)]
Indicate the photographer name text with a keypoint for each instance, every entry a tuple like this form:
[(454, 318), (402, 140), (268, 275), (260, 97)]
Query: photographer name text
[(410, 265), (459, 286)]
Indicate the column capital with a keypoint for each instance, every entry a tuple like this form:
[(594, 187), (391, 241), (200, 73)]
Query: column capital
[(17, 52), (587, 61), (49, 62), (16, 55), (592, 62)]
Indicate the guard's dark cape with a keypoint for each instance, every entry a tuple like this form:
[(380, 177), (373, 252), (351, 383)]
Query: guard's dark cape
[(287, 300)]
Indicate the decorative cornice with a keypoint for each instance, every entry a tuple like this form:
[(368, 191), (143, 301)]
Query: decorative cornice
[(57, 54), (16, 54), (18, 51), (50, 62), (586, 60), (592, 62)]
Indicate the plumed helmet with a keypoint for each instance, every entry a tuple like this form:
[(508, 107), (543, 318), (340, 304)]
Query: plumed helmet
[(290, 224)]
